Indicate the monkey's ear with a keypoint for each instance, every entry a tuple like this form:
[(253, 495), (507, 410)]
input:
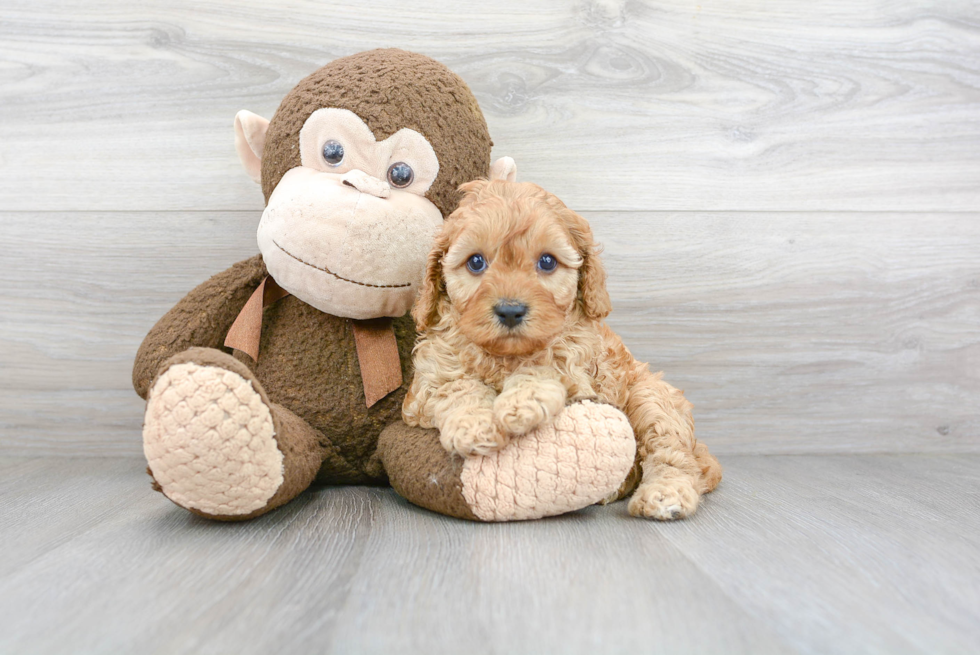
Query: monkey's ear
[(250, 132), (504, 169)]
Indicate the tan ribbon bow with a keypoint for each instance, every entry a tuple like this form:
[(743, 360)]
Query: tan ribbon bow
[(377, 348)]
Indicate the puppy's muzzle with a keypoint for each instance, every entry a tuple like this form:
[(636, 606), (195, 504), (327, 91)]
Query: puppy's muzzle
[(510, 312)]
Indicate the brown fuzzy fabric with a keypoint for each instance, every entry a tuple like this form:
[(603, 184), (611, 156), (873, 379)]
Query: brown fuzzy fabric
[(308, 363), (389, 89), (202, 318), (422, 471)]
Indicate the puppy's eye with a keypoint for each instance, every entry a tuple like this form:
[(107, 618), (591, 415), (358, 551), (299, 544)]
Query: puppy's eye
[(476, 264), (333, 153), (400, 175), (547, 263)]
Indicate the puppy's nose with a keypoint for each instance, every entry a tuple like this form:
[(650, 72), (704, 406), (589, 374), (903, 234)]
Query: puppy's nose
[(510, 312)]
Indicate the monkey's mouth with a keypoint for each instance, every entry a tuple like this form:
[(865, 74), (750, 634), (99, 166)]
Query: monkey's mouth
[(340, 277)]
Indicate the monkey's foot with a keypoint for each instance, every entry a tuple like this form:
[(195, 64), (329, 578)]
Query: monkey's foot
[(209, 439), (577, 460)]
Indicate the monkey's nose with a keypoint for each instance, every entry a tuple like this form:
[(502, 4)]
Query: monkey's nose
[(366, 183), (510, 312)]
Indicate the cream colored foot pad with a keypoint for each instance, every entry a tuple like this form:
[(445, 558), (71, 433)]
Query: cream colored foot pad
[(580, 459), (209, 441)]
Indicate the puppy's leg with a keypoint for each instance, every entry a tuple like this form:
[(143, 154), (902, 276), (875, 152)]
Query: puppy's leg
[(463, 412), (528, 400), (677, 469), (710, 468)]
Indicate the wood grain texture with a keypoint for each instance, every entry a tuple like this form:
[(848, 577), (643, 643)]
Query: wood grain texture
[(612, 104), (789, 555), (792, 333), (878, 553), (81, 292), (807, 333), (47, 502)]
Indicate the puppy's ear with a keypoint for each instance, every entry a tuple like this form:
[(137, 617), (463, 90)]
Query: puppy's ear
[(471, 191), (425, 311), (592, 292), (592, 287)]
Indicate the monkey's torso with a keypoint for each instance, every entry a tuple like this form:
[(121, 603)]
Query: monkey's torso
[(308, 364)]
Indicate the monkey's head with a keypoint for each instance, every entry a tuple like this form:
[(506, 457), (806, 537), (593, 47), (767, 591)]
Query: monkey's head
[(359, 166)]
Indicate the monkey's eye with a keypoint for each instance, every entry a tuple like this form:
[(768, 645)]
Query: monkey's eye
[(333, 153), (476, 264), (400, 175), (547, 263)]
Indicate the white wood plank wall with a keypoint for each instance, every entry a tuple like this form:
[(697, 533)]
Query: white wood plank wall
[(788, 193)]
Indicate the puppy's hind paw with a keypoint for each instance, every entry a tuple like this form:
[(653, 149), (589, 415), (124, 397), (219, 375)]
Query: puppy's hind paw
[(665, 500), (471, 432)]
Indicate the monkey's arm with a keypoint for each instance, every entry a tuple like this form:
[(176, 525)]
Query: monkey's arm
[(202, 318)]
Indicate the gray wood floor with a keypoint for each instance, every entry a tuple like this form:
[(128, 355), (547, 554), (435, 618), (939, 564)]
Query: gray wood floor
[(789, 198), (793, 554)]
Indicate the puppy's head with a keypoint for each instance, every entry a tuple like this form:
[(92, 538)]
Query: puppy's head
[(515, 264)]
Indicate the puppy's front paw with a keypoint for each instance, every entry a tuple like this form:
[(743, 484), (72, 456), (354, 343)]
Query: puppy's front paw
[(471, 432), (665, 500), (528, 404)]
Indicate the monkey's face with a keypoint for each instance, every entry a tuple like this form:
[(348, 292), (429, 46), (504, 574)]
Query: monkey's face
[(348, 231)]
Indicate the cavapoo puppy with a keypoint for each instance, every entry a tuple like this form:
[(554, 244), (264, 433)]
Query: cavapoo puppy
[(511, 322)]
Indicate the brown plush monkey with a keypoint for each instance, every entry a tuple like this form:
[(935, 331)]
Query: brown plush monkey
[(284, 369)]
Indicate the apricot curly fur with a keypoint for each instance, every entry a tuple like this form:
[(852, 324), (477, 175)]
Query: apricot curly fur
[(482, 383)]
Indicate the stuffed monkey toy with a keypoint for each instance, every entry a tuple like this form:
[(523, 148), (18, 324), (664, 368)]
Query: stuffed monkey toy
[(285, 369)]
